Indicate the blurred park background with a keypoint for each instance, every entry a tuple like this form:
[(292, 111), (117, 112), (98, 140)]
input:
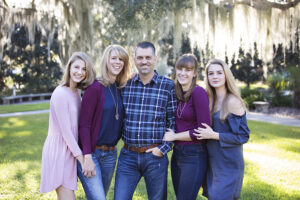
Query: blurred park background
[(259, 39)]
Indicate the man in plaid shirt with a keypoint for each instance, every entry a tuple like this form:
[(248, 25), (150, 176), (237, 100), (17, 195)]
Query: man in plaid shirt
[(150, 103)]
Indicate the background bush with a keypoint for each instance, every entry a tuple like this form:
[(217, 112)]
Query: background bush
[(251, 95)]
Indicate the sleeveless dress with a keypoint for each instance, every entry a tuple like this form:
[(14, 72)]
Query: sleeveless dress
[(60, 148), (226, 162)]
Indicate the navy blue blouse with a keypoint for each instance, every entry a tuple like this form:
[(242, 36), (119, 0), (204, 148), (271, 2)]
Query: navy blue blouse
[(226, 162), (111, 129)]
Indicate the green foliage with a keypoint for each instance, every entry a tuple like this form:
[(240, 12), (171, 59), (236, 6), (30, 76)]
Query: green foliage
[(277, 84), (247, 68), (251, 95), (129, 17), (3, 74), (278, 59), (286, 65), (294, 82), (32, 66), (185, 44), (282, 101), (166, 48), (196, 52), (226, 58)]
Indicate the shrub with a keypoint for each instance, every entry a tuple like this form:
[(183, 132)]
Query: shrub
[(250, 96), (278, 83), (282, 101)]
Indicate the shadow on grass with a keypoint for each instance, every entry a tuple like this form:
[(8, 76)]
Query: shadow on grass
[(255, 188), (282, 135), (21, 173), (22, 138)]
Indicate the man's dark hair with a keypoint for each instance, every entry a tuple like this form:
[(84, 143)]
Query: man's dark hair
[(145, 45)]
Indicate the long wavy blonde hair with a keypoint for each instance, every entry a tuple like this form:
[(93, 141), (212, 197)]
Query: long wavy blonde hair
[(90, 70), (230, 85), (124, 74)]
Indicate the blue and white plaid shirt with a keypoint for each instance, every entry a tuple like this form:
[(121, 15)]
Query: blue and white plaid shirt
[(149, 110)]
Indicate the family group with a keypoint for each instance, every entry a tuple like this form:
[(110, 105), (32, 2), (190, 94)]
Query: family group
[(90, 113)]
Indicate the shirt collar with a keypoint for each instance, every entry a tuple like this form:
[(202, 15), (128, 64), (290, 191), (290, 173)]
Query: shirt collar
[(153, 80)]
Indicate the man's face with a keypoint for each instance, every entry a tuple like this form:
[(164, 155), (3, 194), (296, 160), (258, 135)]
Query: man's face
[(145, 60)]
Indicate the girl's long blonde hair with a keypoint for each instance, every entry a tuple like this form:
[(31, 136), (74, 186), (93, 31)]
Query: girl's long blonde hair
[(124, 74), (231, 89), (90, 70)]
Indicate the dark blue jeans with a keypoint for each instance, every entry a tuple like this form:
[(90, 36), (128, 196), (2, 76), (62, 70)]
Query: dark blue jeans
[(96, 187), (188, 169), (132, 166)]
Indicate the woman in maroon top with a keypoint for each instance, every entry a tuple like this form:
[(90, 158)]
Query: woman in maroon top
[(189, 159)]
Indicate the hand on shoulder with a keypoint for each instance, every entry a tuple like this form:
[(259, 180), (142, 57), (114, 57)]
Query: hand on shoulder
[(235, 105)]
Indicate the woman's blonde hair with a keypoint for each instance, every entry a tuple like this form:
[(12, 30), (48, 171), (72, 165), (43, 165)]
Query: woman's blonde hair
[(90, 74), (124, 74), (230, 85), (183, 62)]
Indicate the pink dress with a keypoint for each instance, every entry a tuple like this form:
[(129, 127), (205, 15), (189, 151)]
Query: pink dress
[(60, 147)]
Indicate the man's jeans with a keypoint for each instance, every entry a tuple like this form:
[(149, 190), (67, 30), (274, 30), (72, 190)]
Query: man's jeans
[(96, 187), (132, 166), (188, 169)]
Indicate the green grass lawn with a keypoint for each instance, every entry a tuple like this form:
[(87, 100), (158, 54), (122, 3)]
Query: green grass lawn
[(23, 107), (272, 159)]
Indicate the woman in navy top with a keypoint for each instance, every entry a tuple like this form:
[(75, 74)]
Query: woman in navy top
[(100, 123), (228, 134), (189, 159)]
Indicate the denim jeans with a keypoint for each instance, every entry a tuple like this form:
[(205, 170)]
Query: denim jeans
[(188, 169), (132, 166), (96, 187)]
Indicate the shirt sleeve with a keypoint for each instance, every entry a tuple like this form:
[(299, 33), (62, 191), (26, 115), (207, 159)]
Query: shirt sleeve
[(239, 131), (60, 106), (170, 118), (88, 107), (201, 108)]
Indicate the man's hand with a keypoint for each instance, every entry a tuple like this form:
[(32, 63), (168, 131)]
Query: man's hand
[(169, 135), (155, 151), (89, 167)]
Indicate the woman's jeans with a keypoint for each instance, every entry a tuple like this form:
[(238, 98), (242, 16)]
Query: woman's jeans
[(188, 169), (96, 187)]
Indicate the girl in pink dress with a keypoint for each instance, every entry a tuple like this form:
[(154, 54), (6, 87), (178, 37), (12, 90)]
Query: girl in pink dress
[(60, 151)]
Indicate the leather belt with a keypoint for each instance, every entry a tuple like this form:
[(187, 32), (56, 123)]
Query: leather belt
[(139, 149), (105, 148)]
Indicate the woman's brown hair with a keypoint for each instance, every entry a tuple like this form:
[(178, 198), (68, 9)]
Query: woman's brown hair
[(186, 61)]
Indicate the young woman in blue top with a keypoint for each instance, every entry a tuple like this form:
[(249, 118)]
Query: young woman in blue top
[(100, 123), (228, 133)]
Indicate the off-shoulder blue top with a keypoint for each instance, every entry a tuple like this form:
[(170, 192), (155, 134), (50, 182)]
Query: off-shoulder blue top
[(226, 162)]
